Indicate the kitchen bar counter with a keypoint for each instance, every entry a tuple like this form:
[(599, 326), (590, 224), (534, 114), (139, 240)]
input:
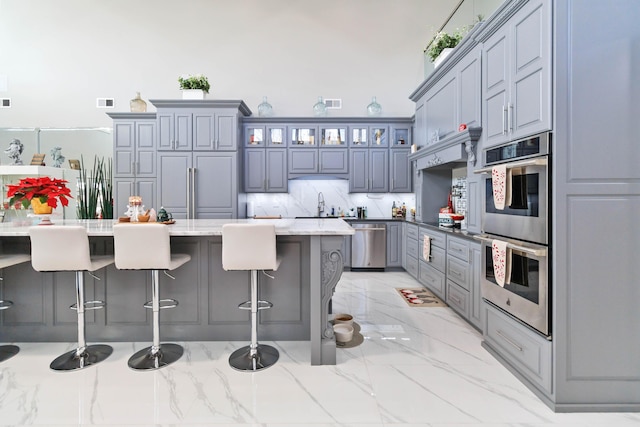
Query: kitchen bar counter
[(208, 295)]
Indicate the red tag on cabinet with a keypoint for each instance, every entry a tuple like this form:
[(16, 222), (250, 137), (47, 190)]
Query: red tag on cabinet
[(462, 127)]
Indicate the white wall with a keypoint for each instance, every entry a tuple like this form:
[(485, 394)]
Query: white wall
[(59, 55)]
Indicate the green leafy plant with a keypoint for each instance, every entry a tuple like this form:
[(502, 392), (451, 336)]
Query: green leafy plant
[(441, 41), (198, 81), (95, 189)]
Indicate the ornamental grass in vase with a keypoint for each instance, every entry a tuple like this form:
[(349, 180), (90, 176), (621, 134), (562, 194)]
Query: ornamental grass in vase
[(43, 191), (95, 190)]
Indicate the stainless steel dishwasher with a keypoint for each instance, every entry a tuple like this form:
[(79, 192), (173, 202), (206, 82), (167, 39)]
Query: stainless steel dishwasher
[(369, 246)]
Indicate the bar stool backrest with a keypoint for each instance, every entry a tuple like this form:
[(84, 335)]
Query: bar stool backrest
[(60, 248), (142, 246), (249, 247)]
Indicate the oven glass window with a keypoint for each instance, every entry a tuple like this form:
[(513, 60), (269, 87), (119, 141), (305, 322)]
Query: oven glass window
[(525, 194), (525, 275)]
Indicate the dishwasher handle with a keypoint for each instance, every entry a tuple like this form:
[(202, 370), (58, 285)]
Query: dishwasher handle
[(370, 229)]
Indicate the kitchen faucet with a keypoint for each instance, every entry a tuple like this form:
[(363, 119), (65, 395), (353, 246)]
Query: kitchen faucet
[(320, 203)]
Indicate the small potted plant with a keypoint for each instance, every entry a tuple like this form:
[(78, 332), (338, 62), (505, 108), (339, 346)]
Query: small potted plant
[(41, 193), (441, 44), (194, 87)]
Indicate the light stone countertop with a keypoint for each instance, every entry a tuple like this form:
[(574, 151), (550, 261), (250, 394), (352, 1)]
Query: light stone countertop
[(202, 227)]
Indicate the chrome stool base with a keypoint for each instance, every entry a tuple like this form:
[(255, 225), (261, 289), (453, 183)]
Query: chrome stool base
[(144, 360), (241, 359), (71, 361), (8, 351)]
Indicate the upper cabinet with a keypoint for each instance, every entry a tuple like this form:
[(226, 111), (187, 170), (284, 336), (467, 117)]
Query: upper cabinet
[(451, 95), (516, 75), (198, 125)]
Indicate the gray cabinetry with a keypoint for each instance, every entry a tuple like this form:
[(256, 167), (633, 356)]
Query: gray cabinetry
[(175, 130), (431, 271), (198, 185), (516, 77), (265, 170), (302, 161), (400, 171), (369, 171), (412, 235), (519, 346), (134, 159), (394, 244), (333, 161), (463, 278)]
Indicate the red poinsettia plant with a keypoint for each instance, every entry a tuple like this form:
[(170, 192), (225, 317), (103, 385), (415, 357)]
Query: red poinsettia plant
[(46, 189)]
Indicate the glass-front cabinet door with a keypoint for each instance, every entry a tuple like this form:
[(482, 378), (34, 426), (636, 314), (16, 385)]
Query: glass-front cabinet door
[(359, 136), (401, 137), (254, 136), (333, 136), (276, 136), (302, 136), (378, 136)]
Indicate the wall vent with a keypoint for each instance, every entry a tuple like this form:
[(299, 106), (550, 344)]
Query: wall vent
[(333, 104), (105, 103), (5, 102)]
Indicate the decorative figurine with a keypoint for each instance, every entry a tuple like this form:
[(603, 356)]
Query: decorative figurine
[(58, 158), (163, 216), (14, 151)]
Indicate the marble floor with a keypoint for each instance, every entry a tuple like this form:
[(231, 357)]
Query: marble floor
[(416, 367)]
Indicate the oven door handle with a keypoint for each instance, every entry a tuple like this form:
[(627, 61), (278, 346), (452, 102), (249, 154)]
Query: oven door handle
[(539, 161), (538, 252)]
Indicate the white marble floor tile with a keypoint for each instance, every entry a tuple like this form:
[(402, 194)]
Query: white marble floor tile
[(416, 367)]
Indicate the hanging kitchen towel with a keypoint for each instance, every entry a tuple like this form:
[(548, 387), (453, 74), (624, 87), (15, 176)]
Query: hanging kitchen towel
[(426, 249), (501, 262), (499, 182)]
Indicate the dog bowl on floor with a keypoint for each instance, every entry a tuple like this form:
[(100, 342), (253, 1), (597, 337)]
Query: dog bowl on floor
[(343, 332)]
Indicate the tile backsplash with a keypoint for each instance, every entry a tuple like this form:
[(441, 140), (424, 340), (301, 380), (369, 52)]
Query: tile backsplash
[(302, 200)]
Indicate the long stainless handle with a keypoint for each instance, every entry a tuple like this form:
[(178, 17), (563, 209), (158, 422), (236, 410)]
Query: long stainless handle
[(188, 190), (193, 193), (509, 340), (370, 229), (538, 161), (539, 252)]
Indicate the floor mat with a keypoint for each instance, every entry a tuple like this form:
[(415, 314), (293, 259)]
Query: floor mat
[(420, 297)]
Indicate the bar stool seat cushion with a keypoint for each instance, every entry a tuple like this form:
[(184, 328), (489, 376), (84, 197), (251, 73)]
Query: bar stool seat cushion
[(145, 247), (249, 247), (49, 255)]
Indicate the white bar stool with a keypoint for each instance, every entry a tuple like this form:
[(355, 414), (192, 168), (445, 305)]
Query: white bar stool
[(147, 246), (7, 260), (66, 248), (251, 247)]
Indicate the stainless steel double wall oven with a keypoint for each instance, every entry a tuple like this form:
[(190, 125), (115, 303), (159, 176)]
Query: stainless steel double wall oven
[(525, 226)]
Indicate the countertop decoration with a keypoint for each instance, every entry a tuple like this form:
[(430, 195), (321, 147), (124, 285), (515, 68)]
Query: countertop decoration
[(14, 151), (44, 190), (194, 86)]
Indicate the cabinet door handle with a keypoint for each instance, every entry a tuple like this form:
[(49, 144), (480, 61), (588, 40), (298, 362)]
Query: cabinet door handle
[(193, 192), (504, 119), (188, 191), (510, 117), (510, 341), (456, 300)]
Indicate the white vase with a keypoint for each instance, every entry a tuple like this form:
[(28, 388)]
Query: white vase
[(445, 52), (192, 94)]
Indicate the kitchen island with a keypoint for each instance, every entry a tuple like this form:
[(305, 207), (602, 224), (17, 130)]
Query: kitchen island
[(208, 295)]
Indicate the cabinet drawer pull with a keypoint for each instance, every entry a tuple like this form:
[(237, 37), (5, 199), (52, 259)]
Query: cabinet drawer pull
[(456, 300), (510, 341)]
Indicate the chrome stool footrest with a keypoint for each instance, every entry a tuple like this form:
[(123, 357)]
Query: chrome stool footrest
[(164, 303), (4, 304), (90, 305), (262, 305)]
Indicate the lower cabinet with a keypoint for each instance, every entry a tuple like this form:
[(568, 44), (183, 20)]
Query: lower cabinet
[(394, 244), (525, 350), (463, 278), (432, 279)]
